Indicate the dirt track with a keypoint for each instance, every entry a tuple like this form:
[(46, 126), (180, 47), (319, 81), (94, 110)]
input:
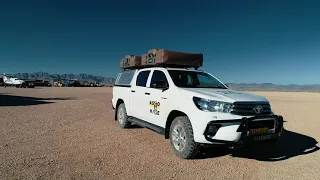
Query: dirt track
[(69, 133)]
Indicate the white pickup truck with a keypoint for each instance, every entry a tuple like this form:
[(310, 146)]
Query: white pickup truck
[(192, 108)]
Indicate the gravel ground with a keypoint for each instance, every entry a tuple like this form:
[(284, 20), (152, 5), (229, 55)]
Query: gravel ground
[(69, 133)]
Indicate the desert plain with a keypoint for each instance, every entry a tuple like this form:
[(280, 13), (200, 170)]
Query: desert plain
[(70, 133)]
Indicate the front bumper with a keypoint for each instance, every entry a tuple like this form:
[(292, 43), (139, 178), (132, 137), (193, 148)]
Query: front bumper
[(112, 105), (220, 131)]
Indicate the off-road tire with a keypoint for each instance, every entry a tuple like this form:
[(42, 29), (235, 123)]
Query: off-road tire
[(192, 148), (123, 123)]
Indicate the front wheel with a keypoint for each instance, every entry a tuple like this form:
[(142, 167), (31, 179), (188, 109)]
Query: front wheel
[(181, 138), (122, 116)]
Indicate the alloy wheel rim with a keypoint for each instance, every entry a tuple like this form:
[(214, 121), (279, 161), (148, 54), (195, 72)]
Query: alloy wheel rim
[(120, 116), (179, 138)]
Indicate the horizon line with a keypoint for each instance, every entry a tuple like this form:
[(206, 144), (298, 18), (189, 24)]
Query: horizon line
[(281, 84)]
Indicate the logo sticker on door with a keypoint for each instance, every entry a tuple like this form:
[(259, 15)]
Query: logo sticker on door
[(154, 107)]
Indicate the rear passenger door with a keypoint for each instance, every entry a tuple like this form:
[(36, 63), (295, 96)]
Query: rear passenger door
[(158, 98), (139, 99)]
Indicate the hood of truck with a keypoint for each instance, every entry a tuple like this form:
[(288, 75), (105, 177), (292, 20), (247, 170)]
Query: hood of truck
[(225, 95)]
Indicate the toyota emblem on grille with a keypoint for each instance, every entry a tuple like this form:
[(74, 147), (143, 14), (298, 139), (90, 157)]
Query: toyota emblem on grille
[(258, 109)]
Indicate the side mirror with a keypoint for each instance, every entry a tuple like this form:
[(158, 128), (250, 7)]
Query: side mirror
[(160, 85)]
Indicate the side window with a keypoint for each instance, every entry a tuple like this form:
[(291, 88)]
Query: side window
[(142, 78), (125, 78), (158, 76)]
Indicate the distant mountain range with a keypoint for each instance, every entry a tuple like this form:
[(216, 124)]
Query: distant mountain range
[(273, 87), (47, 76), (110, 80)]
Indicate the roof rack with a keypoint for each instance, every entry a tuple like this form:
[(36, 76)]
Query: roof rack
[(161, 65)]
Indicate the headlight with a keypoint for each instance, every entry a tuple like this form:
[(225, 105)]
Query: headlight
[(212, 106)]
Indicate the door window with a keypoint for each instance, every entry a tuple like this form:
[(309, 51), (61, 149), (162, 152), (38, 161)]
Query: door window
[(142, 78), (158, 77)]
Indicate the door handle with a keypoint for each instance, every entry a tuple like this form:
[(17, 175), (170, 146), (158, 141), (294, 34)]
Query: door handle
[(147, 93), (163, 98), (133, 91)]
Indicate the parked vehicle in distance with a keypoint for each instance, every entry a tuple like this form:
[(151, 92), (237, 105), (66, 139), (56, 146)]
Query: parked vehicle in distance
[(192, 108), (19, 83)]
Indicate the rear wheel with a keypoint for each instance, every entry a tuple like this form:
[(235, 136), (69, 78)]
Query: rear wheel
[(122, 116), (181, 138)]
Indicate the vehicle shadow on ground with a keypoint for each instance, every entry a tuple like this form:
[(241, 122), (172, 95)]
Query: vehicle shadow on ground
[(135, 126), (9, 100), (290, 145)]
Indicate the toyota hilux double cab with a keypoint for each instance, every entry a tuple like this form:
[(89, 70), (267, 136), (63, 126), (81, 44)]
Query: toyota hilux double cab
[(191, 107)]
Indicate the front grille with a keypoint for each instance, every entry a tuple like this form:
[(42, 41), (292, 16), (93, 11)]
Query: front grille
[(247, 108), (261, 124)]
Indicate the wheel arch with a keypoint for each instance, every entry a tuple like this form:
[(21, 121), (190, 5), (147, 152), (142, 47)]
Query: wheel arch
[(119, 101), (172, 115)]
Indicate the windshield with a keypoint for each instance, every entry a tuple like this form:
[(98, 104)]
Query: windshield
[(194, 79)]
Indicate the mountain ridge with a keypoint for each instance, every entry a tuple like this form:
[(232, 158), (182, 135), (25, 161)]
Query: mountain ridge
[(81, 76), (274, 87)]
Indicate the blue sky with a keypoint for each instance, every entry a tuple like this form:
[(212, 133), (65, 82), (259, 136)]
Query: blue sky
[(242, 41)]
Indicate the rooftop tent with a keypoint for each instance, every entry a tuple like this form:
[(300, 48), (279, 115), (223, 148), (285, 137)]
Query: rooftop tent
[(130, 61), (172, 58), (162, 57)]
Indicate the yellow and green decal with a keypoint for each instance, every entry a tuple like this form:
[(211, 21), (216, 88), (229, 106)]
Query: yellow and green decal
[(154, 107)]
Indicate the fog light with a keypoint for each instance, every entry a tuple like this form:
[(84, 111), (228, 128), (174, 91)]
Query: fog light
[(213, 129)]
